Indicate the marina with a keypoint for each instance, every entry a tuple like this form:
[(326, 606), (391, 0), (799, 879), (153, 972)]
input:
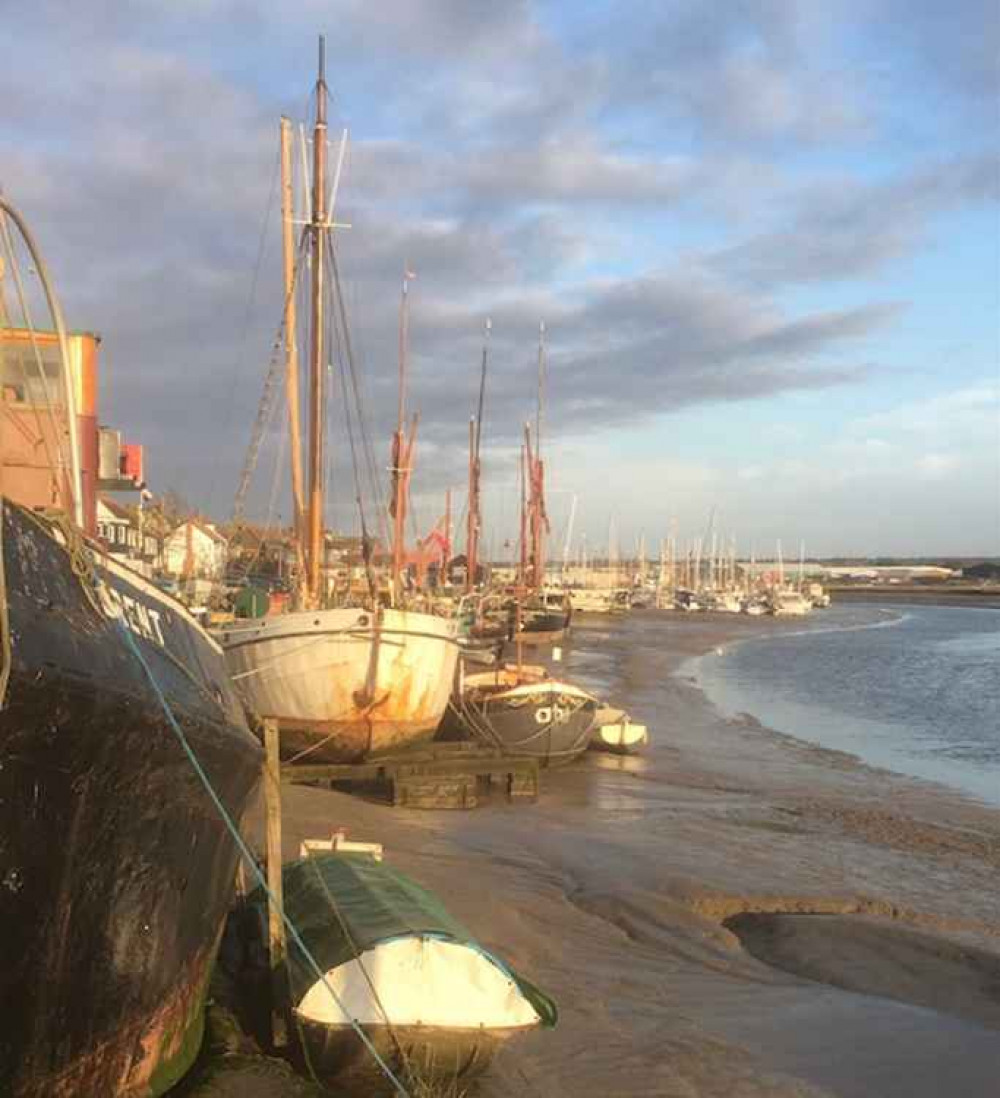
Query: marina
[(489, 765)]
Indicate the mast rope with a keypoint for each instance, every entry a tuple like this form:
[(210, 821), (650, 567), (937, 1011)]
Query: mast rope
[(249, 858), (265, 408), (359, 401), (247, 314)]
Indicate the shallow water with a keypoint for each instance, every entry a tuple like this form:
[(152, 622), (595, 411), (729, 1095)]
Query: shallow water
[(914, 689)]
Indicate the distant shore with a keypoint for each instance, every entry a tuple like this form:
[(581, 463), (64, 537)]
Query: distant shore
[(737, 913), (912, 592)]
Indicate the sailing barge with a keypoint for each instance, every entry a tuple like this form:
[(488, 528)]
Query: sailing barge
[(116, 869), (343, 683)]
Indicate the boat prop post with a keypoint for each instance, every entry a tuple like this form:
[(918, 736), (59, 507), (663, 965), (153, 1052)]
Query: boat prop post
[(277, 944)]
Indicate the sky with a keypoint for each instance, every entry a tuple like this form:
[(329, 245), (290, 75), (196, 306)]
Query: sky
[(764, 238)]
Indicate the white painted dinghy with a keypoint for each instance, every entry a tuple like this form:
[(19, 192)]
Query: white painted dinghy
[(615, 731), (435, 1004)]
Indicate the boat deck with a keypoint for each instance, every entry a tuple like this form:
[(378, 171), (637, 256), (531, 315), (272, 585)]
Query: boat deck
[(438, 775)]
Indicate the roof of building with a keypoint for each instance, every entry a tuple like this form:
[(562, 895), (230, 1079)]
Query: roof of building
[(116, 509)]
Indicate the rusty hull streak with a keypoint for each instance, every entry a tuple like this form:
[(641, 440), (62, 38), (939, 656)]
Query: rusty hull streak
[(130, 1059)]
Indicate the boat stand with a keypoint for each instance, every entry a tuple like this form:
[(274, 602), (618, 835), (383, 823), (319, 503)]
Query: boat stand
[(437, 775)]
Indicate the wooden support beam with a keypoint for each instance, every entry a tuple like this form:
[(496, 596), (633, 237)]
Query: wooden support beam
[(277, 945)]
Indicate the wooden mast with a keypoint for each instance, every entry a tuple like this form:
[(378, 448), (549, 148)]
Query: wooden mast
[(474, 520), (317, 237), (291, 351), (446, 555), (401, 449), (536, 470), (522, 568)]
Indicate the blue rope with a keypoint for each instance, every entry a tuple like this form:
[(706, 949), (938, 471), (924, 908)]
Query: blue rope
[(252, 861)]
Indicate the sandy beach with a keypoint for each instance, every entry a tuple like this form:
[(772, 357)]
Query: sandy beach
[(737, 913)]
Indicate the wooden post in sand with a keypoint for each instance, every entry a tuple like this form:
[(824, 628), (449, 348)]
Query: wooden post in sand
[(277, 946)]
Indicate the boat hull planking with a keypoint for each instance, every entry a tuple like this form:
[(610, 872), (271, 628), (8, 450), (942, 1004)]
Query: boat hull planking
[(342, 685)]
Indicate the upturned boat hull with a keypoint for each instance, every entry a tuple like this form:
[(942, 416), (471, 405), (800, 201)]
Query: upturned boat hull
[(116, 870), (433, 1055), (345, 685)]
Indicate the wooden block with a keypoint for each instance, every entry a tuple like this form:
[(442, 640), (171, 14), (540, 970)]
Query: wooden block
[(435, 792), (523, 785)]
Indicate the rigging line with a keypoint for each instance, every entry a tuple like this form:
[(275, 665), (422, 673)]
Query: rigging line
[(63, 464), (358, 397), (359, 498), (329, 497), (248, 312), (279, 466), (344, 344), (276, 408), (252, 861), (265, 405)]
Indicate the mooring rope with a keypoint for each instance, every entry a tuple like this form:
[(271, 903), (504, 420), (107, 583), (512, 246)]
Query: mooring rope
[(252, 861)]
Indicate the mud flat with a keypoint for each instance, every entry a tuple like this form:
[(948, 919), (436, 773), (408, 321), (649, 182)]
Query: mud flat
[(737, 913)]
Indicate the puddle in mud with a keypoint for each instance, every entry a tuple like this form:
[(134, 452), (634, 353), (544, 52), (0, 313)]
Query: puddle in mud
[(874, 957)]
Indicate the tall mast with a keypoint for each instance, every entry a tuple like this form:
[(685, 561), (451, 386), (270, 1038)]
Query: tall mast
[(317, 230), (523, 564), (402, 448), (446, 555), (474, 521), (472, 518), (536, 509), (291, 345), (541, 387)]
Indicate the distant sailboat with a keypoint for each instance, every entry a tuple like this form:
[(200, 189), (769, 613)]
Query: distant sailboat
[(348, 682)]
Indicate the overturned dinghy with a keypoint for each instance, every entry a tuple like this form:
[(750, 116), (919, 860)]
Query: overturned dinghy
[(615, 731), (435, 1004)]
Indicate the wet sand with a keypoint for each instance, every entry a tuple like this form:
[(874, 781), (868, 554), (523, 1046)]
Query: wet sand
[(735, 913)]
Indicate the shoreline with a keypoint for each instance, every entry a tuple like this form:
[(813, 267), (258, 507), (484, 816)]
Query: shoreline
[(971, 597), (714, 686), (671, 902)]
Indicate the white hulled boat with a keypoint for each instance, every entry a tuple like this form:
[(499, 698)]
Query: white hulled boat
[(348, 682), (345, 684), (789, 602)]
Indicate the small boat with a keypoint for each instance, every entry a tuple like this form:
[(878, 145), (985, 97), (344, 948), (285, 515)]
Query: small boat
[(688, 601), (725, 602), (615, 731), (789, 603), (435, 1003), (600, 600), (545, 617), (754, 607), (526, 713)]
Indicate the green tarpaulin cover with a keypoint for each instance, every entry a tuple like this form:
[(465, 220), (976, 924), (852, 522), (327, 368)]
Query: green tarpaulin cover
[(345, 904)]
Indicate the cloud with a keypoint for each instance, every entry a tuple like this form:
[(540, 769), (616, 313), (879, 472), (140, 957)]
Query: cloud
[(530, 162), (745, 73), (954, 48), (970, 412), (849, 229), (938, 466)]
